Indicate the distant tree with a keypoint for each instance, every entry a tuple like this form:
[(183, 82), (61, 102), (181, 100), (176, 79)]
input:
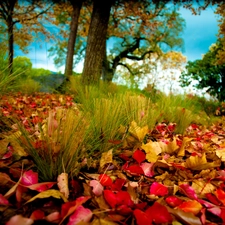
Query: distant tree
[(20, 22), (207, 72)]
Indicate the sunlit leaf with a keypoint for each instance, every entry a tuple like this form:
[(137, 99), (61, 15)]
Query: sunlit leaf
[(191, 206), (158, 189), (105, 180)]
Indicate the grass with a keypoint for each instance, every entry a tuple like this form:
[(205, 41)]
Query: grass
[(70, 137)]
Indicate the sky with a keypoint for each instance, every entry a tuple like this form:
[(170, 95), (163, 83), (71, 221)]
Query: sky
[(199, 34)]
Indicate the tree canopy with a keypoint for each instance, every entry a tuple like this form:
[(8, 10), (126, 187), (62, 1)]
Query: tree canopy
[(207, 73)]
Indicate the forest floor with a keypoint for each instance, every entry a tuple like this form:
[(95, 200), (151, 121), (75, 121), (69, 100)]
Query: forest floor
[(149, 177)]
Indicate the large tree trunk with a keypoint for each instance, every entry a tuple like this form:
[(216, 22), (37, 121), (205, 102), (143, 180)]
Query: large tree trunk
[(107, 72), (72, 37), (10, 24), (96, 42)]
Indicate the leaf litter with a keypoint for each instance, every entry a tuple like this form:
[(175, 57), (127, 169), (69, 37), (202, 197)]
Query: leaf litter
[(153, 177)]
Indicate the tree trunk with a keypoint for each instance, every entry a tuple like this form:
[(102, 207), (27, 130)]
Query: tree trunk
[(96, 42), (107, 72), (10, 25), (72, 37)]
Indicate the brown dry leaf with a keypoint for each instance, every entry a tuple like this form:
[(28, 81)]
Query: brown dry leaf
[(3, 146), (47, 194), (185, 217), (102, 221), (107, 158), (101, 202), (4, 178), (201, 187), (172, 146), (200, 163), (185, 141)]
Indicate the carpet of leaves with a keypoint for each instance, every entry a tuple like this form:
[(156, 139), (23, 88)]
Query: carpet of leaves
[(155, 177)]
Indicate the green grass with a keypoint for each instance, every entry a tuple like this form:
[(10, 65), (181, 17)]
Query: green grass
[(70, 137)]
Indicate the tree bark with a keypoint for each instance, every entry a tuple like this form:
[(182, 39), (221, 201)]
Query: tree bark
[(72, 37), (96, 42), (10, 24)]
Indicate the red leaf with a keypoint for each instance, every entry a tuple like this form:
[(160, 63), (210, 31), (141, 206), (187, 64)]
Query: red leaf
[(159, 213), (192, 206), (3, 200), (118, 184), (123, 198), (40, 187), (135, 170), (29, 177), (69, 207), (118, 199), (110, 198), (173, 201), (158, 189), (37, 215), (212, 198), (220, 194), (80, 214), (147, 168), (139, 156), (142, 218), (188, 191), (105, 180)]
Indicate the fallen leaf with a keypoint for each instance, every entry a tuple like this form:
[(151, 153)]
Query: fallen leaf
[(158, 189), (47, 194), (79, 215), (191, 206), (62, 182)]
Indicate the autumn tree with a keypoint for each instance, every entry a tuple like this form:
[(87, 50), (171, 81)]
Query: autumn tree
[(142, 32), (21, 20), (208, 74)]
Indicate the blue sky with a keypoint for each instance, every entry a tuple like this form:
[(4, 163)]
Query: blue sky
[(199, 34)]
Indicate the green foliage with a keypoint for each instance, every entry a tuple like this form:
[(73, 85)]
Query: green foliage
[(22, 65), (27, 86), (208, 74), (37, 72)]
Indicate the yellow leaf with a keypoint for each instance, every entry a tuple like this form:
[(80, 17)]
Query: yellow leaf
[(200, 163), (138, 132), (107, 157), (152, 149), (201, 187), (47, 194), (221, 154), (102, 221), (181, 151)]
